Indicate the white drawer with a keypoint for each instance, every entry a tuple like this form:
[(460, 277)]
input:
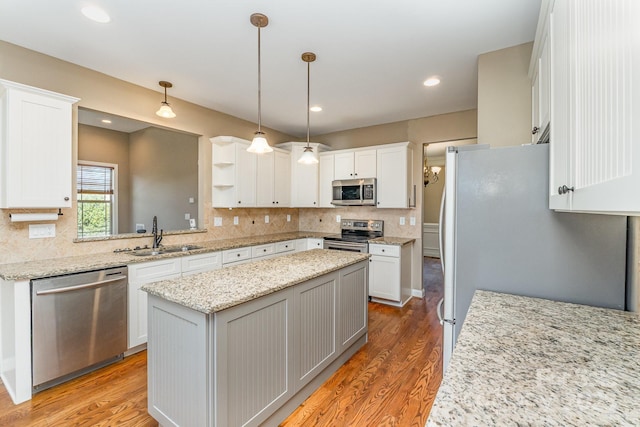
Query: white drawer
[(202, 262), (263, 250), (154, 271), (287, 246), (233, 255), (384, 250)]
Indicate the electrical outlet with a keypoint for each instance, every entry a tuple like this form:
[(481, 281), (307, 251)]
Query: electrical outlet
[(139, 227), (236, 220), (192, 200), (217, 221), (40, 231), (288, 218), (187, 216), (412, 220), (338, 218), (402, 220), (192, 223), (266, 219)]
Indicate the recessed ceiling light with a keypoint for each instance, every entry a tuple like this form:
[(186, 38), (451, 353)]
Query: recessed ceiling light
[(316, 108), (432, 81), (96, 14), (107, 121)]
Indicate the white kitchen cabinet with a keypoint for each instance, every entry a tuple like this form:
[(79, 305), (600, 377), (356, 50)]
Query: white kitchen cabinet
[(263, 251), (139, 275), (233, 173), (390, 273), (273, 179), (395, 181), (325, 190), (36, 146), (353, 164), (301, 245), (304, 180), (313, 243), (595, 106), (200, 263), (282, 248), (236, 256), (539, 72)]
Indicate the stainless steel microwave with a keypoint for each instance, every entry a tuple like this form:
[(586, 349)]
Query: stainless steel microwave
[(354, 192)]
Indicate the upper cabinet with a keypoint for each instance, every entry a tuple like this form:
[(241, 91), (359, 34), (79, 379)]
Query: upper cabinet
[(353, 164), (233, 173), (595, 104), (395, 178), (326, 173), (273, 179), (304, 179), (36, 147)]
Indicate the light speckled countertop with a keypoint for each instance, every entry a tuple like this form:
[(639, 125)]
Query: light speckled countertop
[(76, 264), (217, 290), (397, 241), (530, 362)]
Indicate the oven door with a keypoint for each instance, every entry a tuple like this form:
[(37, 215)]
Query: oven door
[(341, 245)]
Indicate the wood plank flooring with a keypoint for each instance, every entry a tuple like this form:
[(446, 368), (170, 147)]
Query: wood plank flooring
[(391, 381)]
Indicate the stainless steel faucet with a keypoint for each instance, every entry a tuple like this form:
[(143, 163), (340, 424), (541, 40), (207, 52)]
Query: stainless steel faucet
[(154, 229)]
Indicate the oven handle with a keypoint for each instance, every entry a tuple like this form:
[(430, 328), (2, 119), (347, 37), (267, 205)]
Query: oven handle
[(76, 287), (328, 244)]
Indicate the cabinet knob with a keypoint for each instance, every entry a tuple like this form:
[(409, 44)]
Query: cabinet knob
[(273, 203), (350, 174), (277, 203), (383, 250), (314, 203), (239, 202), (66, 199), (564, 189), (535, 130), (237, 254), (264, 250)]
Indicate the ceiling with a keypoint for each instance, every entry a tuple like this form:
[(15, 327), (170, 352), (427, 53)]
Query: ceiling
[(372, 57)]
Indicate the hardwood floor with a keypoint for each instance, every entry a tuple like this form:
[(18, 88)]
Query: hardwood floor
[(391, 381)]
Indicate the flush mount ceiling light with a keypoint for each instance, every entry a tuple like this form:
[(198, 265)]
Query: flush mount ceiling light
[(165, 109), (316, 108), (96, 14), (432, 81), (308, 158), (259, 144)]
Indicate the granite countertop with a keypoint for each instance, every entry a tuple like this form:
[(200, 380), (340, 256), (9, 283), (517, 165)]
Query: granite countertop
[(526, 361), (76, 264), (217, 290), (390, 240)]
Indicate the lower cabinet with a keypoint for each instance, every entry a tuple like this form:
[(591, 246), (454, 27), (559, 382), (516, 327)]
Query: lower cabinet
[(313, 243), (258, 355), (155, 271), (390, 273)]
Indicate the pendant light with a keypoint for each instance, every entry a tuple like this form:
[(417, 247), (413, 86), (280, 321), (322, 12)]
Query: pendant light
[(165, 109), (259, 145), (308, 157)]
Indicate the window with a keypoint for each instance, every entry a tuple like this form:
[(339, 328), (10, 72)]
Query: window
[(96, 199)]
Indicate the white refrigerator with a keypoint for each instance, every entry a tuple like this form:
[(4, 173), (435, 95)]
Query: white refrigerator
[(498, 234)]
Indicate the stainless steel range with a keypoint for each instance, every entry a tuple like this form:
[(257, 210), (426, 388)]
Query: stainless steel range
[(355, 234)]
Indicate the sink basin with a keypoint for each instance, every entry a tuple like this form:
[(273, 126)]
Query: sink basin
[(164, 250)]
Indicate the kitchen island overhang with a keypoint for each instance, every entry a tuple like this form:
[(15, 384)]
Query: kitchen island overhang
[(246, 345)]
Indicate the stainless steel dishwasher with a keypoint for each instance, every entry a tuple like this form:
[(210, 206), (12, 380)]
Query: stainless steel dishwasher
[(78, 324)]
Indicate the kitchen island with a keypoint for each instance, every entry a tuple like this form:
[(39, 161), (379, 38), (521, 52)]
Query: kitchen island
[(528, 361), (246, 345)]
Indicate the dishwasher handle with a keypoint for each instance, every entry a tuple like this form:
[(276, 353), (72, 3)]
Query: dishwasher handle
[(83, 286)]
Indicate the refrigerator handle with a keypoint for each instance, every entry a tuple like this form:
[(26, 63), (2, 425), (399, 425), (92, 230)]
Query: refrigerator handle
[(441, 230), (439, 311)]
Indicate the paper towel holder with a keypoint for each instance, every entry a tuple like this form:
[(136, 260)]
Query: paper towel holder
[(30, 217)]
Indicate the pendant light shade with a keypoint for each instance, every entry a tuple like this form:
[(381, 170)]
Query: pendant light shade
[(308, 158), (165, 109), (259, 145)]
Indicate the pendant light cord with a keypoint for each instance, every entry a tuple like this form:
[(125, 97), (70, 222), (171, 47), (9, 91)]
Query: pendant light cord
[(308, 97), (259, 85)]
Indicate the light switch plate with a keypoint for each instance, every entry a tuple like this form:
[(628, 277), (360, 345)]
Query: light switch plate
[(338, 218), (288, 218), (40, 231), (217, 221), (187, 216), (192, 200), (266, 219), (412, 220), (402, 220), (236, 220)]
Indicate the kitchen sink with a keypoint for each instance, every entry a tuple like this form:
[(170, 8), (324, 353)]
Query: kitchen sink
[(164, 250)]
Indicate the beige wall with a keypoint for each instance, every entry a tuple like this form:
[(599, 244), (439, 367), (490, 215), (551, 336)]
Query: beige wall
[(431, 196), (104, 93), (108, 146), (445, 127), (504, 96), (164, 175)]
